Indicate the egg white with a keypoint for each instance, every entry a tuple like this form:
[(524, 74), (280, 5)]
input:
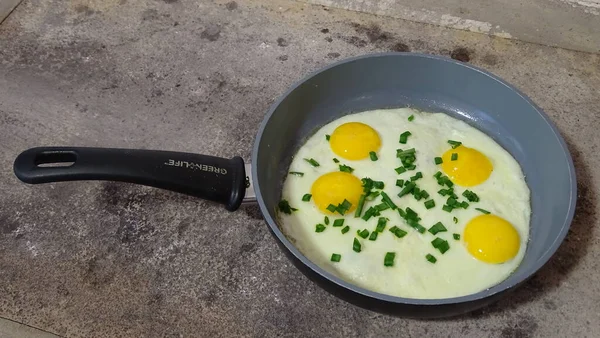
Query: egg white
[(456, 273)]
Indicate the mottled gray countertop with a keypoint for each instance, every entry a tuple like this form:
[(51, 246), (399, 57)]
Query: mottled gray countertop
[(97, 259)]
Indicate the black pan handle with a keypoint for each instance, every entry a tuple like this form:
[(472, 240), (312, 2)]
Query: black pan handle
[(211, 178)]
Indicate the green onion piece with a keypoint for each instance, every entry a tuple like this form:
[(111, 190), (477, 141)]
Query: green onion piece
[(370, 213), (470, 196), (373, 236), (424, 194), (364, 233), (284, 206), (338, 222), (373, 156), (387, 200), (451, 201), (319, 228), (306, 197), (331, 208), (399, 183), (410, 118), (415, 225), (404, 137), (356, 245), (398, 232), (429, 204), (447, 208), (296, 173), (417, 193), (381, 223), (430, 258), (346, 205), (464, 204), (416, 176), (378, 184), (409, 153), (372, 195), (346, 168), (336, 257), (410, 167), (411, 214), (402, 213), (454, 144), (483, 211), (444, 192), (438, 160), (440, 244), (345, 229), (448, 182), (408, 187), (456, 236), (327, 137), (400, 170), (335, 160), (454, 157), (312, 162), (361, 204), (326, 220), (455, 220), (382, 207), (438, 174), (389, 259), (437, 227)]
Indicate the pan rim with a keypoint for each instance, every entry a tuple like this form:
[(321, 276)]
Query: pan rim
[(506, 284)]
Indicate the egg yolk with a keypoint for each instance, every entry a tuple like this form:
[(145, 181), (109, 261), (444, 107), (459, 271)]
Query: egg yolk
[(470, 168), (354, 141), (333, 188), (491, 239)]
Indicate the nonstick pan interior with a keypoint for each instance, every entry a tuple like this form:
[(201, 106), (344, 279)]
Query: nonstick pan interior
[(431, 84)]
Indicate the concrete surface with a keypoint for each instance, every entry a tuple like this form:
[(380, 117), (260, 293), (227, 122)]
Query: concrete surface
[(6, 7), (572, 24), (99, 259), (11, 329)]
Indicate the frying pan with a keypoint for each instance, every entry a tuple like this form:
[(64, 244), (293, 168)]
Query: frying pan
[(376, 81)]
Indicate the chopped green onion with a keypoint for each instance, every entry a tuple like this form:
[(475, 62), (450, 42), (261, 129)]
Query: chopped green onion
[(447, 208), (404, 137), (438, 174), (454, 144), (378, 184), (402, 213), (456, 236), (409, 153), (297, 173), (471, 196), (399, 183), (411, 214), (372, 195), (429, 204), (451, 201), (326, 220), (319, 228), (431, 258), (455, 220), (364, 233), (370, 213), (382, 207), (437, 227), (445, 192), (381, 223), (415, 225), (398, 232), (312, 162), (454, 157), (440, 244), (438, 160), (306, 197), (346, 168), (410, 118), (328, 137), (338, 222), (387, 200), (448, 182), (336, 257), (284, 206), (483, 211), (424, 194), (343, 207), (356, 245), (416, 176), (464, 204), (331, 208), (410, 167), (389, 259), (335, 160), (373, 236), (373, 156), (408, 187), (361, 204), (417, 193), (345, 229), (400, 170)]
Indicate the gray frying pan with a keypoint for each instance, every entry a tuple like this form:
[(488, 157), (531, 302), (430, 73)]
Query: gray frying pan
[(389, 80)]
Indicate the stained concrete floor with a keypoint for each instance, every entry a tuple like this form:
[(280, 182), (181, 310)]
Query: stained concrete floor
[(91, 259)]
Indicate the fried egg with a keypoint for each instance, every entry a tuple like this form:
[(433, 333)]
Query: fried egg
[(462, 227)]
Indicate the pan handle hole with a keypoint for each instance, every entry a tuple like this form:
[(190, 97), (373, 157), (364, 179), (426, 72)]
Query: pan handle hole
[(54, 159)]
